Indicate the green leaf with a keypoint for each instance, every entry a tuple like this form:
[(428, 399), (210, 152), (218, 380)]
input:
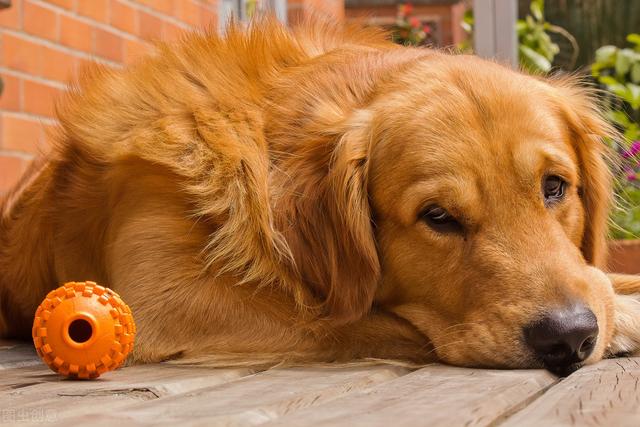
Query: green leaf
[(548, 50), (606, 54), (610, 81), (619, 117), (623, 61), (626, 215), (595, 69), (635, 72), (616, 87), (532, 60), (530, 21), (536, 10), (634, 38), (632, 133), (633, 96)]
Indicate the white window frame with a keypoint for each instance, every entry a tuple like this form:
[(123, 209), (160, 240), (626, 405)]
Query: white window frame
[(238, 8), (495, 30)]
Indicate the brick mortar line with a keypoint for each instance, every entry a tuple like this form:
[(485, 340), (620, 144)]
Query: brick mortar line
[(17, 154), (87, 20), (48, 43), (169, 18), (29, 116), (107, 27), (204, 3), (27, 76)]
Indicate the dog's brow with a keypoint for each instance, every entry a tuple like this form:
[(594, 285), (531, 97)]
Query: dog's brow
[(547, 157), (553, 158)]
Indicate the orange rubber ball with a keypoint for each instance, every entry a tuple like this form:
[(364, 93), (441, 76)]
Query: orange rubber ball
[(82, 330)]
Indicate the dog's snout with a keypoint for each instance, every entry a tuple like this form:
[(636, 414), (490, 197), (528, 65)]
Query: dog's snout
[(563, 338)]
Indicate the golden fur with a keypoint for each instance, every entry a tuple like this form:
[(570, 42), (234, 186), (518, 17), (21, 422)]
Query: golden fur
[(257, 197)]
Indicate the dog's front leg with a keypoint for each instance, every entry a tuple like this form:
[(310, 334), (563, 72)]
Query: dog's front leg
[(626, 335)]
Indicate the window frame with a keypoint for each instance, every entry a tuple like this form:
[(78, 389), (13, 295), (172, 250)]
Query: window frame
[(238, 8)]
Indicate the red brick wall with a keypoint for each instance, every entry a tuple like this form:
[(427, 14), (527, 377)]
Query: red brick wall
[(44, 42)]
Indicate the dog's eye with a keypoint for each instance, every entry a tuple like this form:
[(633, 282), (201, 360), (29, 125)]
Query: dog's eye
[(440, 220), (553, 188)]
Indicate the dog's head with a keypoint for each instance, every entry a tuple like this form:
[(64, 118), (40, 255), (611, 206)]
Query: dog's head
[(467, 198)]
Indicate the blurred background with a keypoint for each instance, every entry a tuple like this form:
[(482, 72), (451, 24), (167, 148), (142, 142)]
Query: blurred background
[(44, 43)]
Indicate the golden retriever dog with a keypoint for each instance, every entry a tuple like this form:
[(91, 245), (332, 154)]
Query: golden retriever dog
[(321, 194)]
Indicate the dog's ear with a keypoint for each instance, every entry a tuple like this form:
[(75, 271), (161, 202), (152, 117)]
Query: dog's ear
[(589, 133), (319, 133), (327, 221)]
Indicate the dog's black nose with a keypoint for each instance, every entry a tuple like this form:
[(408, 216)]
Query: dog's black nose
[(563, 338)]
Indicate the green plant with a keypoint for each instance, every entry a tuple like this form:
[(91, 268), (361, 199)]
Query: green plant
[(467, 26), (408, 30), (626, 215), (536, 50), (617, 70)]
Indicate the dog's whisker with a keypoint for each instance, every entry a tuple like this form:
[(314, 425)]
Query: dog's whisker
[(440, 347), (458, 325)]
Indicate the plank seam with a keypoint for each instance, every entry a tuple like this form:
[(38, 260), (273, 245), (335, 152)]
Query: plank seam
[(518, 407)]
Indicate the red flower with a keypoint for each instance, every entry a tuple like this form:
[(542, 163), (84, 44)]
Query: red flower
[(426, 29), (408, 8), (414, 22), (633, 151)]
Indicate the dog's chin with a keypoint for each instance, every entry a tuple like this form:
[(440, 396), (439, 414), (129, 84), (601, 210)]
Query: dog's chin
[(566, 370), (563, 371)]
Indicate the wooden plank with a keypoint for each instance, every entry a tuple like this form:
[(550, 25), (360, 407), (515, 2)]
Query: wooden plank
[(20, 366), (61, 398), (15, 354), (4, 343), (433, 396), (607, 393), (25, 376), (31, 393), (248, 401), (604, 394)]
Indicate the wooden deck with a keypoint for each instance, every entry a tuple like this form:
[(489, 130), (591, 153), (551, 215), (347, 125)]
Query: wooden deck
[(605, 394)]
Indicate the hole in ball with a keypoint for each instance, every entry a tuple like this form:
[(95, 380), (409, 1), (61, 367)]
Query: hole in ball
[(80, 331)]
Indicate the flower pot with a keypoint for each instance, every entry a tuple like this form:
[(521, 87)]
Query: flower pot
[(624, 256)]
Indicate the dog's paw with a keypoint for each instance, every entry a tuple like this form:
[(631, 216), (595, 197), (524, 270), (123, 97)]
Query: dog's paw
[(626, 335)]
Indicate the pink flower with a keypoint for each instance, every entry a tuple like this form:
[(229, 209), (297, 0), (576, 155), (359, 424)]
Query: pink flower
[(631, 175), (632, 151)]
